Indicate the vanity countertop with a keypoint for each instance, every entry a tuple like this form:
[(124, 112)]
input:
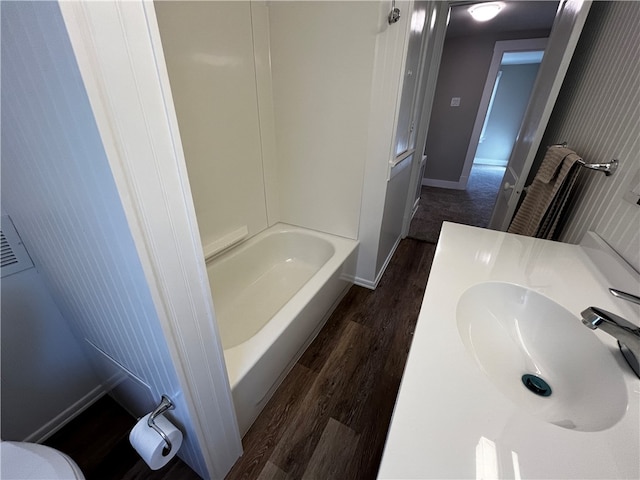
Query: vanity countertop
[(450, 421)]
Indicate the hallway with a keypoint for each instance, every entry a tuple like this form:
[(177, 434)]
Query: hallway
[(472, 206)]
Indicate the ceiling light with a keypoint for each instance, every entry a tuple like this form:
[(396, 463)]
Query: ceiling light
[(482, 12)]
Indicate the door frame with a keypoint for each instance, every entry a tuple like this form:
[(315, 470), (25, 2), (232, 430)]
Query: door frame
[(119, 52), (567, 28), (430, 65), (501, 47), (570, 18)]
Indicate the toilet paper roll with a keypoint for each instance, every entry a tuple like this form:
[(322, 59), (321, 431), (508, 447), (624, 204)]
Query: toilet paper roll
[(149, 444)]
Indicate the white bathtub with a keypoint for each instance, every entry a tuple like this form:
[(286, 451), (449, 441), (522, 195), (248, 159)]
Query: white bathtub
[(272, 295)]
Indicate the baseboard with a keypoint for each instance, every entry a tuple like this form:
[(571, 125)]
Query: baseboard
[(362, 282), (414, 210), (66, 416), (434, 182), (372, 285)]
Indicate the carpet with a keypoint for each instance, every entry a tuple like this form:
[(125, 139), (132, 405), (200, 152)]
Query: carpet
[(472, 206)]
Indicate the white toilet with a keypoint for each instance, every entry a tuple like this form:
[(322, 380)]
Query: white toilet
[(21, 460)]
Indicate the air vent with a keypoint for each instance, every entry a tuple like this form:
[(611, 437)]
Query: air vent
[(14, 256), (8, 257)]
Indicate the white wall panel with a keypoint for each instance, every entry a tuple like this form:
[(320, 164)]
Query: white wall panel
[(209, 51), (395, 201), (381, 122), (598, 114), (58, 187), (322, 57)]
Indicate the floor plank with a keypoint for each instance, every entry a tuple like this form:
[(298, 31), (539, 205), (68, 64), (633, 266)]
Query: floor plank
[(271, 472), (294, 450), (334, 452), (269, 427)]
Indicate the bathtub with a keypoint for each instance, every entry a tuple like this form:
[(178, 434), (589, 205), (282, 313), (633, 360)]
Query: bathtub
[(272, 294)]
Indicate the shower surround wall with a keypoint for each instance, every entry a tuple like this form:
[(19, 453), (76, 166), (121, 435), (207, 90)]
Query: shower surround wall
[(208, 47), (322, 86), (273, 103)]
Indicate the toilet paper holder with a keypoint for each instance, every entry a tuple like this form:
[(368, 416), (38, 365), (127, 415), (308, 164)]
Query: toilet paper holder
[(165, 404)]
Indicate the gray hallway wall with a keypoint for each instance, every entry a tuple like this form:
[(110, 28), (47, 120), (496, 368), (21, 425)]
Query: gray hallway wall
[(463, 72)]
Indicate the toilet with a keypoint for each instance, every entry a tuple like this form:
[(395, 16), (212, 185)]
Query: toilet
[(21, 460)]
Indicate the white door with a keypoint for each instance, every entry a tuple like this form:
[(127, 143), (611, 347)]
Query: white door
[(560, 47)]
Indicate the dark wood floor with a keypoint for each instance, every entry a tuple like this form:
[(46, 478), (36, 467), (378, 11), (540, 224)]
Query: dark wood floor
[(330, 417), (98, 441)]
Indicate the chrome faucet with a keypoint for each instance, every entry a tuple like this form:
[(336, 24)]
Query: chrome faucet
[(627, 334)]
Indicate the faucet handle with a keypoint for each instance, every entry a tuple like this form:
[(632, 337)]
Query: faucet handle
[(625, 296)]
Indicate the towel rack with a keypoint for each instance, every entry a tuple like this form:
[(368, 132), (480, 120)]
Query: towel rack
[(607, 168)]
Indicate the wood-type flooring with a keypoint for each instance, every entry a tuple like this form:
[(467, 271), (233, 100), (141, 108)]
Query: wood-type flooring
[(330, 416), (98, 441), (327, 420)]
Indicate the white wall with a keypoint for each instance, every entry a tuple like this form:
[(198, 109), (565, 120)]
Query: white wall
[(303, 94), (59, 189), (322, 58), (385, 94), (273, 129), (41, 360), (598, 114), (208, 47), (419, 36), (396, 199)]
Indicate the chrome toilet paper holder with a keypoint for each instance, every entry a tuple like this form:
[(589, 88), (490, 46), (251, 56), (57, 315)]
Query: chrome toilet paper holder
[(165, 404)]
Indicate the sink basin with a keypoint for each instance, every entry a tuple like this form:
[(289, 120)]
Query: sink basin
[(514, 332)]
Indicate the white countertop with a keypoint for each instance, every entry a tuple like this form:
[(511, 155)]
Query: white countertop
[(451, 422)]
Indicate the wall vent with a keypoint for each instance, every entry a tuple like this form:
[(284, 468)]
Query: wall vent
[(14, 256)]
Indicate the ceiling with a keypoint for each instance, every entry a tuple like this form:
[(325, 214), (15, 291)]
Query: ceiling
[(516, 15)]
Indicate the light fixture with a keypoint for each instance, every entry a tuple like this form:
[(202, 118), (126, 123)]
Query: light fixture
[(482, 12)]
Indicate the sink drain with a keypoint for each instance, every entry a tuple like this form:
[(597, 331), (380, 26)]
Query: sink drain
[(536, 385)]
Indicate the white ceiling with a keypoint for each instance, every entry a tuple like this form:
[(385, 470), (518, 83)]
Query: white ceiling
[(516, 15)]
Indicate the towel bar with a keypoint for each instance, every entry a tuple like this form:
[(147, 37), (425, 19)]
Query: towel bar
[(607, 168)]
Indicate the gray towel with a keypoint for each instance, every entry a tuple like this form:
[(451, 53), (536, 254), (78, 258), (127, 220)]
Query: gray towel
[(543, 205)]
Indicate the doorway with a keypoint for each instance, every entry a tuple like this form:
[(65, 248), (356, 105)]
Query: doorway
[(507, 90), (509, 96), (486, 75)]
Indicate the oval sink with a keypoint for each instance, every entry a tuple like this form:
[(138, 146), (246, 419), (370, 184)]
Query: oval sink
[(541, 356)]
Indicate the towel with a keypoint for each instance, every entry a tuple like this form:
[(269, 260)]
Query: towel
[(540, 212)]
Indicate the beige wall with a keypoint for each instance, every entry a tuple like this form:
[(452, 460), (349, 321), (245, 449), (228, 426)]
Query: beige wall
[(296, 116), (598, 114), (274, 129), (208, 47), (322, 56)]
